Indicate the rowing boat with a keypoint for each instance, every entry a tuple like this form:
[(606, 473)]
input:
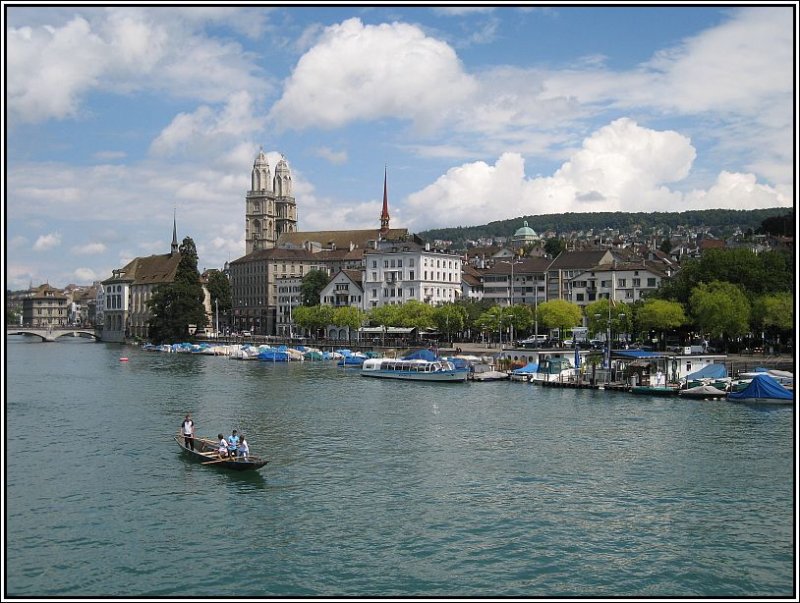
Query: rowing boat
[(205, 452)]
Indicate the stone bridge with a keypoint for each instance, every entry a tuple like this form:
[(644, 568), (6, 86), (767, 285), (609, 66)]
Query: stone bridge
[(53, 333)]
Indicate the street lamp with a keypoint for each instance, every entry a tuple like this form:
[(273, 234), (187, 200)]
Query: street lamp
[(511, 296), (216, 303)]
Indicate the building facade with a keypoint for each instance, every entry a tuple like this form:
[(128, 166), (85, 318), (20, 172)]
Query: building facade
[(46, 307), (399, 271)]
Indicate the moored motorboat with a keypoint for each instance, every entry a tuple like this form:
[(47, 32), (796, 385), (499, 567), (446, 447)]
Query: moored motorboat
[(763, 389), (205, 452), (703, 392), (654, 390)]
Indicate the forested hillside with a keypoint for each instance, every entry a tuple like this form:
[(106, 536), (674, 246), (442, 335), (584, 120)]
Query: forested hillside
[(721, 222)]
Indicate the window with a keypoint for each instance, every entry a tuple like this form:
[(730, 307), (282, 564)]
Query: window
[(637, 282), (651, 282)]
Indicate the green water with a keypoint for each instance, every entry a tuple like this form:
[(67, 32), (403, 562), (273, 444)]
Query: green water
[(380, 488)]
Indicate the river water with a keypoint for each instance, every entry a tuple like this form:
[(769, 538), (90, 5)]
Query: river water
[(379, 488)]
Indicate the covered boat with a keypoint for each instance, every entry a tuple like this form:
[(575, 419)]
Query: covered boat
[(525, 373), (763, 389), (712, 374), (703, 392), (205, 452)]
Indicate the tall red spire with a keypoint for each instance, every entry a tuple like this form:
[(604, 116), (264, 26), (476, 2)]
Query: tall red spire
[(385, 211)]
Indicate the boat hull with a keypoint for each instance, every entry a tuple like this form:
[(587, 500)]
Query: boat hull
[(443, 377), (205, 452), (646, 390)]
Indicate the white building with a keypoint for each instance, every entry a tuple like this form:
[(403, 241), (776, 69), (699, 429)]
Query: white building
[(398, 271), (621, 281)]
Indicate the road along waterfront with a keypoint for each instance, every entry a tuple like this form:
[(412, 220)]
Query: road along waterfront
[(380, 488)]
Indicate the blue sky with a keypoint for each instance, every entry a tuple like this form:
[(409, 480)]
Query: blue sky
[(118, 116)]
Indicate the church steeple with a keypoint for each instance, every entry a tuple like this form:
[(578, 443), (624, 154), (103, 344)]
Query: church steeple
[(385, 211), (174, 234)]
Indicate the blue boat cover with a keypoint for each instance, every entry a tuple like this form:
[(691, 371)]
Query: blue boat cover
[(637, 354), (531, 367), (421, 354), (710, 371), (762, 386)]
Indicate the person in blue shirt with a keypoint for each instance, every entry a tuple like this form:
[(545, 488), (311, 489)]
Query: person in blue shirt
[(233, 443)]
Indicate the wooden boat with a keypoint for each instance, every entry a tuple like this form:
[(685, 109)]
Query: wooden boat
[(205, 452)]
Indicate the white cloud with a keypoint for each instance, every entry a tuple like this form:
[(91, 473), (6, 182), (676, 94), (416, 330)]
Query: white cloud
[(620, 167), (48, 241), (85, 275), (335, 157), (89, 249), (362, 72), (51, 68), (205, 131)]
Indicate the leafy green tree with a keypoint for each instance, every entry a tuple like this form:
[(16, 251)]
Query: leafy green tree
[(450, 319), (174, 306), (313, 283), (493, 320), (520, 317), (660, 315), (313, 318), (761, 273), (561, 314), (778, 225), (774, 314), (219, 289), (600, 312), (554, 246), (348, 316), (720, 309), (415, 314), (666, 246), (384, 316)]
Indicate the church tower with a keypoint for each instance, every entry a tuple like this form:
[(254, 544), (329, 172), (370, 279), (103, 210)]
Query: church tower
[(285, 206), (385, 210), (270, 208)]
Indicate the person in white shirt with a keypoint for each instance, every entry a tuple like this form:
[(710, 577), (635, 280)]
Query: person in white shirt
[(187, 429), (223, 446), (244, 449)]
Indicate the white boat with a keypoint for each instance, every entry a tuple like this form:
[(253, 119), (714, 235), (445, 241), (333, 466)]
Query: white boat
[(555, 368), (413, 370)]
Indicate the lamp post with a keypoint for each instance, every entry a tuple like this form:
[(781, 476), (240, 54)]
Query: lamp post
[(511, 298), (216, 303)]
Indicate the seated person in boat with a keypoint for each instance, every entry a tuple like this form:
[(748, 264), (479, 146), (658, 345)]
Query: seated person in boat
[(233, 443), (223, 446)]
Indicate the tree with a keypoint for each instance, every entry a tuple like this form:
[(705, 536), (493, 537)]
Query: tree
[(554, 246), (666, 246), (313, 284), (348, 316), (774, 314), (450, 319), (415, 314), (720, 309), (384, 316), (219, 289), (313, 318), (561, 314), (598, 314), (494, 319), (660, 315), (520, 317), (176, 305)]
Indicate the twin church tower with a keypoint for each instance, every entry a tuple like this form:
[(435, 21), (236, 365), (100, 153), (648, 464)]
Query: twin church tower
[(271, 210), (270, 207)]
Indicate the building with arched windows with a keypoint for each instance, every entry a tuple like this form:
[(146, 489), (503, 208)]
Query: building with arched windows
[(270, 207)]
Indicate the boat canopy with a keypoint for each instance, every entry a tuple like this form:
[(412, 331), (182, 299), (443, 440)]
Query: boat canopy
[(531, 367), (710, 371), (762, 386), (421, 354)]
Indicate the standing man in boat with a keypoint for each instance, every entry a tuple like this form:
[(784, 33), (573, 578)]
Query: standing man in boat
[(187, 429)]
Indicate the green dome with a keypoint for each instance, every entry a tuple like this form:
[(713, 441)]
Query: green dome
[(525, 231)]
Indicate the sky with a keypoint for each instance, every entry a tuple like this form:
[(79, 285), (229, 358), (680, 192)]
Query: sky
[(118, 119)]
